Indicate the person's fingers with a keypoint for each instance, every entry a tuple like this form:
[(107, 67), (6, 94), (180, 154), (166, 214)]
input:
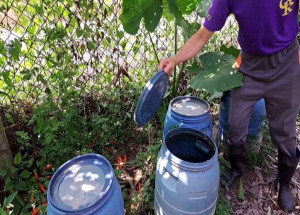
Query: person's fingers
[(167, 65), (169, 68), (163, 63)]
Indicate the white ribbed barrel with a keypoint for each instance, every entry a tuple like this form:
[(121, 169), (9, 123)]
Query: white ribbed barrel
[(187, 174)]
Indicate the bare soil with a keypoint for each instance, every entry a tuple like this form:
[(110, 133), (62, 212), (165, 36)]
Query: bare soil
[(261, 189)]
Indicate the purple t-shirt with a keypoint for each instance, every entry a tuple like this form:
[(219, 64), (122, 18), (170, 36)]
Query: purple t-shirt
[(265, 26)]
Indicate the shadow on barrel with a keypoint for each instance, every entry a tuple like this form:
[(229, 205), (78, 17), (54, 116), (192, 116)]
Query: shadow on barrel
[(85, 185), (187, 174)]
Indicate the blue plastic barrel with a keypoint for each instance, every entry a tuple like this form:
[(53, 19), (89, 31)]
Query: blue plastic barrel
[(188, 112), (187, 174), (85, 185), (256, 123)]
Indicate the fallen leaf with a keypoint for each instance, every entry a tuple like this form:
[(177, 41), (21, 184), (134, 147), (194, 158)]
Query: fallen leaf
[(137, 176)]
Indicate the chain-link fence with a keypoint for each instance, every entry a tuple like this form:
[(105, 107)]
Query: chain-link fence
[(69, 78), (79, 44)]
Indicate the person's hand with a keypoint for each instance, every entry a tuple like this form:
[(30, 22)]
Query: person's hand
[(168, 65)]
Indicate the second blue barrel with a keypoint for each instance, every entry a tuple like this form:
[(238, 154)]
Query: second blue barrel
[(188, 112), (187, 174), (256, 123), (85, 185)]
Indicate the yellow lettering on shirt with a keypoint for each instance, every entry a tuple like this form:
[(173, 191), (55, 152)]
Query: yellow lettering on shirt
[(286, 6)]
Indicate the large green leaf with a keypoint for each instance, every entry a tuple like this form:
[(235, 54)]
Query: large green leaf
[(230, 50), (187, 28), (217, 74), (184, 7), (203, 7), (187, 6), (166, 11), (135, 10)]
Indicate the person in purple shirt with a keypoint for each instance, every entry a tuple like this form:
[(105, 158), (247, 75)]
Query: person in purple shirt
[(269, 62)]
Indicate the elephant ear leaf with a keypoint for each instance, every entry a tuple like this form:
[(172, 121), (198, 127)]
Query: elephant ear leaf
[(203, 7), (216, 74), (230, 50), (188, 6), (135, 10)]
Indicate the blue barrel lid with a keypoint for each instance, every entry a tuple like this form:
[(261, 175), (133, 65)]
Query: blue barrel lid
[(189, 106), (80, 183), (151, 98)]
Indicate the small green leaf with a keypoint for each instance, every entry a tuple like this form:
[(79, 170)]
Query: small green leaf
[(39, 9), (23, 135), (32, 29), (21, 186), (9, 199), (9, 118), (240, 194), (3, 173), (18, 159), (25, 174), (48, 138), (123, 44), (25, 71), (91, 45), (13, 169), (7, 79), (135, 49), (27, 77), (128, 115), (79, 32), (2, 47), (8, 185), (41, 78), (15, 49), (120, 34)]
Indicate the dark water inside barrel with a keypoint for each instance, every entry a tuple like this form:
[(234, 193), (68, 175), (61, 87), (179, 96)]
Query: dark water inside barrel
[(192, 149)]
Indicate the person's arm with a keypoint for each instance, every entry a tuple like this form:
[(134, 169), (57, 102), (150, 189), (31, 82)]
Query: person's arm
[(189, 50)]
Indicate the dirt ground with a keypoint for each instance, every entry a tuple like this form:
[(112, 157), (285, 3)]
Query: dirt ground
[(260, 189)]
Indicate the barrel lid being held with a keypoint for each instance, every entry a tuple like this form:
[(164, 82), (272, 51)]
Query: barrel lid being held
[(151, 98)]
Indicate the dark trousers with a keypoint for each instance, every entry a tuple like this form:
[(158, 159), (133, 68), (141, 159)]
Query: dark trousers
[(276, 78)]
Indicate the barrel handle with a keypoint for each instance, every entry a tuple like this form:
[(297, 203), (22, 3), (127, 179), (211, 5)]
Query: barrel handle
[(169, 180)]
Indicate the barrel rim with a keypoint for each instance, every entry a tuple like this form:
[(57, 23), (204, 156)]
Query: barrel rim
[(64, 168), (191, 97), (185, 164)]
